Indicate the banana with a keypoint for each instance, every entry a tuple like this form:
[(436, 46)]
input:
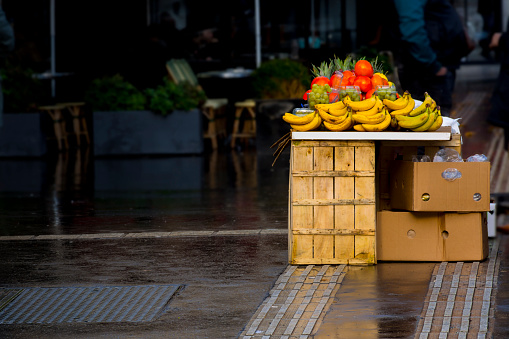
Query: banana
[(337, 112), (363, 105), (400, 103), (295, 120), (359, 128), (328, 107), (436, 125), (331, 118), (379, 105), (342, 126), (423, 106), (427, 124), (394, 123), (382, 126), (314, 124), (371, 119), (412, 122), (407, 109), (433, 105)]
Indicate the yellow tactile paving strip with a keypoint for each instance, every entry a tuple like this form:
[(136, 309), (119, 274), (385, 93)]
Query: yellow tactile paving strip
[(297, 303)]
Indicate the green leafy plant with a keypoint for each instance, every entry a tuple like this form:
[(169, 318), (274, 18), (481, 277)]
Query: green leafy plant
[(281, 79), (22, 91), (169, 96), (113, 93)]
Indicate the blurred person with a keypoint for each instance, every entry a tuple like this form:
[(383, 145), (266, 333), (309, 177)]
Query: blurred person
[(431, 41), (6, 46), (499, 112)]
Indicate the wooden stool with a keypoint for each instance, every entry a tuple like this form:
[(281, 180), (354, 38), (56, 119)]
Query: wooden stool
[(213, 109), (249, 127), (78, 120), (56, 115)]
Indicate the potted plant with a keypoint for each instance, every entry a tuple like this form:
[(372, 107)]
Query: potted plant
[(128, 121), (279, 85)]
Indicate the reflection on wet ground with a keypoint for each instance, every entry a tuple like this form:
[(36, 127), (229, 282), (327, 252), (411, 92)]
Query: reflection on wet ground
[(74, 193)]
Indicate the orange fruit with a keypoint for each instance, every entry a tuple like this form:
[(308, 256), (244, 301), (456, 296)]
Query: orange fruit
[(363, 68)]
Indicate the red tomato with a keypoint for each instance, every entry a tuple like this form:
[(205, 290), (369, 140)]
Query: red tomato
[(336, 79), (364, 68), (363, 82), (376, 80), (305, 97), (321, 80), (333, 97), (351, 80), (369, 93)]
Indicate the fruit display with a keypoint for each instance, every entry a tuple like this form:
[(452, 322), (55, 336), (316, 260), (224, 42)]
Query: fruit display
[(355, 95)]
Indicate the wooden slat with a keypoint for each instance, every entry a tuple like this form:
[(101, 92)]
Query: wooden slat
[(333, 202), (302, 189), (333, 173), (369, 232), (323, 190), (344, 158)]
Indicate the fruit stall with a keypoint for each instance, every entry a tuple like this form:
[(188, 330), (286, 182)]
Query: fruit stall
[(346, 146)]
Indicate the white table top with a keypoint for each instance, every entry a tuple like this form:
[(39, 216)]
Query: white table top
[(443, 133)]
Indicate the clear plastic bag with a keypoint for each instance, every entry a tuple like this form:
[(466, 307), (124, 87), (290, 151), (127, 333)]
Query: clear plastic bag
[(477, 158), (451, 174), (421, 158), (447, 155)]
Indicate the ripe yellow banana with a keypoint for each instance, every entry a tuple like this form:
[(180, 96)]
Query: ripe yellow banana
[(359, 128), (363, 105), (296, 120), (423, 106), (407, 109), (400, 103), (412, 122), (337, 112), (427, 124), (433, 105), (328, 107), (331, 118), (371, 119), (342, 126), (377, 108), (314, 124), (437, 124), (382, 126)]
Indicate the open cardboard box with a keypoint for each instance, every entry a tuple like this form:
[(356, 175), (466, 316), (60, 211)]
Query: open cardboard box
[(419, 186), (430, 236)]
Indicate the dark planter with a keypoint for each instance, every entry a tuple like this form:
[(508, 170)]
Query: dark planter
[(22, 135), (147, 133)]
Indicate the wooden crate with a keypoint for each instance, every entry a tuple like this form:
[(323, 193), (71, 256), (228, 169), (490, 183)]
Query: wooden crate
[(332, 212)]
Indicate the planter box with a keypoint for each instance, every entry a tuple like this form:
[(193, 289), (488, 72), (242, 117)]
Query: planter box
[(21, 135), (146, 133)]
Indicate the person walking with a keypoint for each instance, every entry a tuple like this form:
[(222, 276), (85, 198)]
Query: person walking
[(432, 41), (499, 112), (6, 46)]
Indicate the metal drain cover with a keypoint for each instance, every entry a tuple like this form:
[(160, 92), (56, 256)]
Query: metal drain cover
[(96, 304)]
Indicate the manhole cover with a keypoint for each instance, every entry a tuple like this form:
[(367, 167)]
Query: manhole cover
[(97, 304)]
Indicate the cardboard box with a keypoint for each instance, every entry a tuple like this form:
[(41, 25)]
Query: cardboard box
[(430, 236), (419, 186)]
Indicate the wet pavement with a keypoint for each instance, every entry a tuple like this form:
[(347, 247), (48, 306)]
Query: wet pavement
[(216, 226)]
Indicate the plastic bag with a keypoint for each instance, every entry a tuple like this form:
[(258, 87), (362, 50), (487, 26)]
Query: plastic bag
[(451, 174), (421, 158), (477, 158), (447, 155)]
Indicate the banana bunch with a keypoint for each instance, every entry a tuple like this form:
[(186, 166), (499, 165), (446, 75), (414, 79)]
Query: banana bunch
[(428, 120), (371, 116), (308, 122), (337, 123)]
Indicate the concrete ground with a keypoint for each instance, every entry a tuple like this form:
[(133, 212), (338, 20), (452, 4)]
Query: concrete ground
[(216, 229)]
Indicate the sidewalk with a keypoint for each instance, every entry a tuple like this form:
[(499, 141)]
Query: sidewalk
[(209, 259)]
